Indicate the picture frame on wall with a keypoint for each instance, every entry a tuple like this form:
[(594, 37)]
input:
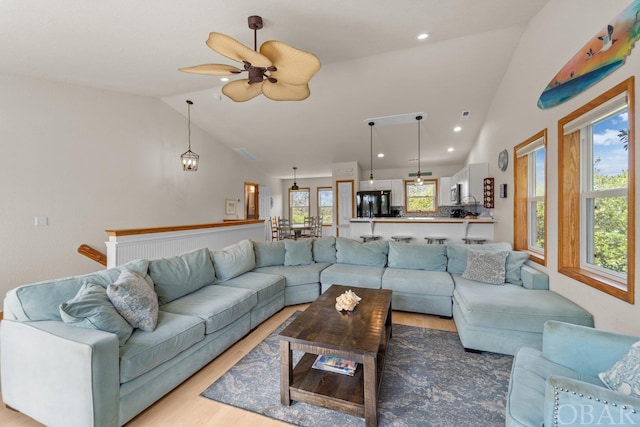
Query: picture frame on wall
[(230, 207)]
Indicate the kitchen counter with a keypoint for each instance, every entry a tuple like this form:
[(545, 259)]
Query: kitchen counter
[(454, 230)]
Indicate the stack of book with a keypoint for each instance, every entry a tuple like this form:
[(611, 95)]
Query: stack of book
[(335, 364)]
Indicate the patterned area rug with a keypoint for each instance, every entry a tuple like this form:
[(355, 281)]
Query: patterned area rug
[(428, 380)]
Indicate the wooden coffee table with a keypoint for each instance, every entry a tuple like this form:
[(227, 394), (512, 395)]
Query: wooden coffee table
[(361, 336)]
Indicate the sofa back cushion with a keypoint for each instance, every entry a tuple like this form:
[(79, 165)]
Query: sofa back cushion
[(234, 260), (269, 253), (417, 257), (324, 249), (182, 274), (41, 301), (298, 252), (349, 251)]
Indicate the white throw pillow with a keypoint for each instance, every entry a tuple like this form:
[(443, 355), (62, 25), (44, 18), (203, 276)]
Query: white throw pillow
[(624, 375), (134, 299), (487, 267)]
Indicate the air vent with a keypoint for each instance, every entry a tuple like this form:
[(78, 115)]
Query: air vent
[(465, 115)]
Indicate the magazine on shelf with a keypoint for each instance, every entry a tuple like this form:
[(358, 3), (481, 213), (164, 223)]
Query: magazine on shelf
[(335, 364)]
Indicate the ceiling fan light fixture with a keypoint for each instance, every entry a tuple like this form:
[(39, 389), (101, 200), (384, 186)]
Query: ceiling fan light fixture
[(189, 159), (295, 187)]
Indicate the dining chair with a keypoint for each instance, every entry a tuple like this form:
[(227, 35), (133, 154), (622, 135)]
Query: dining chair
[(309, 227), (274, 228), (318, 229), (284, 229)]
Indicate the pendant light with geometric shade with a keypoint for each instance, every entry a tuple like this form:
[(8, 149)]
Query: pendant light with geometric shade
[(189, 159)]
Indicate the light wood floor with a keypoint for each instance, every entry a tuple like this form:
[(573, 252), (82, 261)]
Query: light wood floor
[(184, 407)]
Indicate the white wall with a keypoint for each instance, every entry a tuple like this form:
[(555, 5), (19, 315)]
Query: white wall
[(93, 160), (551, 39)]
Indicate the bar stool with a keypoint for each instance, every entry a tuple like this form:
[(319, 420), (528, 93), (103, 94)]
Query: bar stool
[(369, 237), (399, 238), (474, 240), (435, 240)]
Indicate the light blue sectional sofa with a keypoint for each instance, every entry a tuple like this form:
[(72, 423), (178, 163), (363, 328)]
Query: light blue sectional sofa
[(89, 368)]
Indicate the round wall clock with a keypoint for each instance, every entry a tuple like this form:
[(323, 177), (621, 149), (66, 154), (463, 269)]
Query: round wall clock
[(503, 160)]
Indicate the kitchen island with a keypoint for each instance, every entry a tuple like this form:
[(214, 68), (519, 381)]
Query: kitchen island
[(451, 229)]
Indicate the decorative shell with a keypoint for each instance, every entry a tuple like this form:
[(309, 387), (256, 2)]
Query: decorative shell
[(347, 301)]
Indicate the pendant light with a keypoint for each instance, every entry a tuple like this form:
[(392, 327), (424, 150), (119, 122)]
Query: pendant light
[(189, 159), (295, 185), (419, 180), (371, 151)]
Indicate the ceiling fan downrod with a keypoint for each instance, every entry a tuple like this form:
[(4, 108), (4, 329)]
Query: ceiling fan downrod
[(257, 74)]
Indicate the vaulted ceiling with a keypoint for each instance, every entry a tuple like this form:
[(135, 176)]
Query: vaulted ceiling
[(373, 65)]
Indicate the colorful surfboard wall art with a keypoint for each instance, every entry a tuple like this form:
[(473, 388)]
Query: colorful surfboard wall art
[(601, 56)]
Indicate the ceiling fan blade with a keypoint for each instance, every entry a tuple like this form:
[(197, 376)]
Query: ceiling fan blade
[(294, 66), (241, 90), (281, 91), (212, 69), (233, 49)]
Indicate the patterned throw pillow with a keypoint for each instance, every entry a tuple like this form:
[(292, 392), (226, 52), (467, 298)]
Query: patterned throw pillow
[(487, 267), (134, 299), (624, 375), (91, 309)]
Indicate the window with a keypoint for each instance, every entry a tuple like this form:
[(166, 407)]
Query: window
[(530, 229), (325, 205), (298, 205), (597, 196), (421, 198)]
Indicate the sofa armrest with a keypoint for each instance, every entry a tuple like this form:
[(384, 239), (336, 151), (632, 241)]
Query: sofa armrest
[(570, 402), (60, 375), (534, 279), (586, 350)]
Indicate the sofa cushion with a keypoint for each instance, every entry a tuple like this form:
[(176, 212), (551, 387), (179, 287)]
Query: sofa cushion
[(514, 307), (41, 301), (349, 251), (91, 309), (266, 285), (297, 274), (298, 252), (486, 266), (324, 250), (181, 274), (135, 300), (420, 282), (624, 375), (269, 253), (417, 257), (234, 260), (146, 350), (217, 305), (457, 254), (364, 276), (529, 373)]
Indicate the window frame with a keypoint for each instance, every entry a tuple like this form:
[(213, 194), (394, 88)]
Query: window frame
[(410, 182), (571, 228), (300, 190), (524, 189), (318, 190)]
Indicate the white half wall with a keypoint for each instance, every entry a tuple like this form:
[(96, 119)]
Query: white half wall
[(551, 39)]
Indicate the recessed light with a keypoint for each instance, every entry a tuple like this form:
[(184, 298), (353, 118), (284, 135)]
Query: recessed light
[(381, 155), (450, 149), (423, 36), (224, 79), (457, 129)]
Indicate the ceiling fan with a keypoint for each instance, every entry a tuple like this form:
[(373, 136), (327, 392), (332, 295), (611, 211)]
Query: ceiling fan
[(279, 72)]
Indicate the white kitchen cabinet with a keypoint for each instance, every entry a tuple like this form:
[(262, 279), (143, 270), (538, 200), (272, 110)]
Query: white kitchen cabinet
[(397, 192), (471, 178), (382, 184), (365, 186), (444, 191)]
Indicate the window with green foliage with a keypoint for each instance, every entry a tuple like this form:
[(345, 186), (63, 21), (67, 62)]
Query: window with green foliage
[(596, 197), (325, 205), (421, 198), (529, 233), (298, 205)]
